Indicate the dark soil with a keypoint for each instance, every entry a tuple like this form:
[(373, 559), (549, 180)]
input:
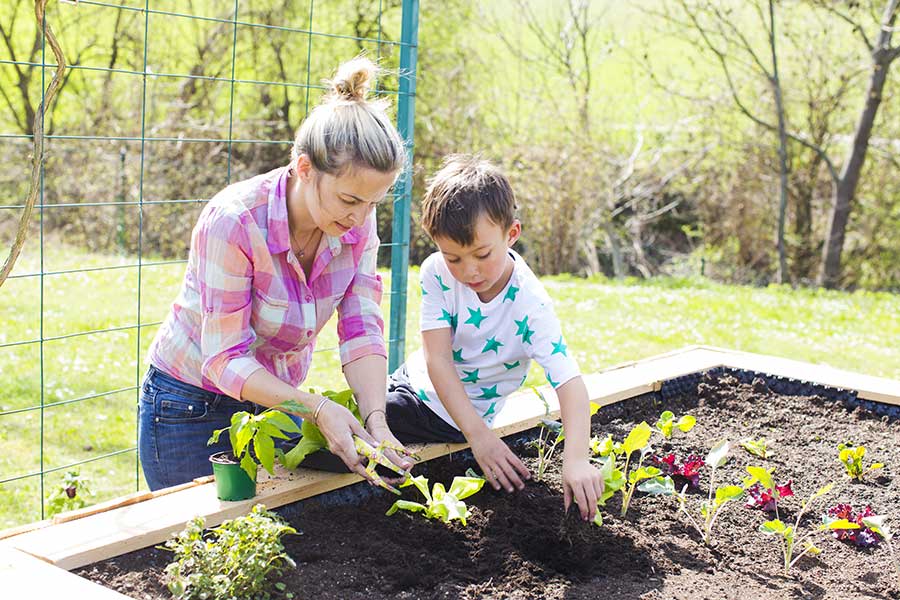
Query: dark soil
[(523, 546)]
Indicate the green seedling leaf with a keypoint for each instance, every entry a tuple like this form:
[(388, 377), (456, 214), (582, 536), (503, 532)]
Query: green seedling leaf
[(658, 486), (463, 487), (728, 492), (643, 473), (811, 548), (718, 454), (773, 527), (838, 524), (637, 438), (407, 506), (441, 504), (758, 447), (762, 475), (613, 480)]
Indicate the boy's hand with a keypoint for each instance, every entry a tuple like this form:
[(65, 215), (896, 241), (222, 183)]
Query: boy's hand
[(583, 482), (500, 466)]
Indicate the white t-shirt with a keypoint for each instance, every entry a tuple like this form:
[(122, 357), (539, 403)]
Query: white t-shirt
[(492, 343)]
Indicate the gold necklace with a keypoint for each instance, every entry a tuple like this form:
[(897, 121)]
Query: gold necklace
[(302, 252)]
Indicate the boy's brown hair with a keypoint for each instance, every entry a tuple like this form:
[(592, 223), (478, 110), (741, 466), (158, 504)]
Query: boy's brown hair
[(464, 188)]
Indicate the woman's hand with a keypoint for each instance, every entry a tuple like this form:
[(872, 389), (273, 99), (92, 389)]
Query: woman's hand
[(501, 467), (583, 483), (339, 425)]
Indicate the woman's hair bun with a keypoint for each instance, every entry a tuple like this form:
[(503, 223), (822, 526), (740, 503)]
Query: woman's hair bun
[(353, 80)]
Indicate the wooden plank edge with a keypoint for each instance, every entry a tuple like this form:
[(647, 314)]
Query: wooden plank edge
[(26, 576)]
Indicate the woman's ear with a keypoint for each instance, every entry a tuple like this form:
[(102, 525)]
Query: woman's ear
[(515, 230), (303, 168)]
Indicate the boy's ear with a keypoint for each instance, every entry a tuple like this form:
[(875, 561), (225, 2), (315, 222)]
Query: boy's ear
[(515, 230)]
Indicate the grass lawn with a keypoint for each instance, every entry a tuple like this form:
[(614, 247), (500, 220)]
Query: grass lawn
[(605, 322)]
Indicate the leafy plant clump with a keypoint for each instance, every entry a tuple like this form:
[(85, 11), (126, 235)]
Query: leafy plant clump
[(253, 438), (440, 503), (717, 497), (863, 537), (876, 523), (788, 534), (666, 424), (758, 447), (762, 491), (852, 458), (230, 562), (311, 439), (70, 494), (682, 473)]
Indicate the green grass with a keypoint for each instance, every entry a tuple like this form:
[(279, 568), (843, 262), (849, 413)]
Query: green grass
[(605, 322)]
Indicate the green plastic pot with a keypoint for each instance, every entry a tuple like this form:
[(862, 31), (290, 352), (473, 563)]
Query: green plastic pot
[(232, 482)]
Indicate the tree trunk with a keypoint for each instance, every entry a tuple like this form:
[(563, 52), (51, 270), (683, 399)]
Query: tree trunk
[(882, 56), (782, 273)]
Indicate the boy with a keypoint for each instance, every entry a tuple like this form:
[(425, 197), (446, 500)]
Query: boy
[(484, 317)]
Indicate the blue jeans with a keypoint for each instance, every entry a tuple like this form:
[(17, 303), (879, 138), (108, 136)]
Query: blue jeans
[(175, 421)]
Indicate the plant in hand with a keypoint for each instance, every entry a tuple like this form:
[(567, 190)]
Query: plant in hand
[(763, 492), (231, 561), (864, 537), (758, 447), (442, 504), (717, 498), (312, 438), (682, 473), (852, 458), (788, 534), (667, 424), (876, 523), (69, 494), (254, 436)]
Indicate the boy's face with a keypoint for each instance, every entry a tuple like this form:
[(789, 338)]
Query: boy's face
[(485, 265)]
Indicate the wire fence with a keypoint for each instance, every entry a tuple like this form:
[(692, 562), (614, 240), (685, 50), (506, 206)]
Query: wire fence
[(162, 106)]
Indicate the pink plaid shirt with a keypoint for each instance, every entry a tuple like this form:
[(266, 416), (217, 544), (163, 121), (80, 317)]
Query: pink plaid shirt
[(245, 303)]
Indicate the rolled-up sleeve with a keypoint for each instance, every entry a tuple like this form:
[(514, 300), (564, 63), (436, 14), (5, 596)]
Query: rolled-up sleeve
[(225, 279), (360, 323)]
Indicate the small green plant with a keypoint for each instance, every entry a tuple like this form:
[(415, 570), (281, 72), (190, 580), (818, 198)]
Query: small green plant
[(312, 439), (613, 481), (231, 561), (650, 478), (554, 431), (876, 523), (758, 447), (717, 498), (253, 437), (667, 424), (69, 494), (763, 491), (787, 534), (442, 504), (852, 458)]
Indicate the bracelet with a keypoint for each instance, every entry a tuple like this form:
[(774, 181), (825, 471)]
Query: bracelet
[(369, 416), (318, 409)]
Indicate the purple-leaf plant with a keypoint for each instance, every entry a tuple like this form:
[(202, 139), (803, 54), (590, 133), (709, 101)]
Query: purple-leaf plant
[(763, 492), (687, 472), (788, 534), (876, 523), (864, 537), (717, 498)]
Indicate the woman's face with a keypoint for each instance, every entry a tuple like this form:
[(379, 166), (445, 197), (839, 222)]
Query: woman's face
[(338, 203)]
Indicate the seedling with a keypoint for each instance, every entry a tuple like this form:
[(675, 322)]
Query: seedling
[(685, 472), (758, 447), (233, 560), (852, 458), (787, 534), (440, 503), (864, 537), (763, 492), (654, 483), (876, 523), (554, 431), (613, 481), (69, 494), (253, 437), (717, 498), (667, 424)]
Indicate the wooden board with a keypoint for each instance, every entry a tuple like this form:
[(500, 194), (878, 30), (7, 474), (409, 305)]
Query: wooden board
[(25, 576), (138, 521)]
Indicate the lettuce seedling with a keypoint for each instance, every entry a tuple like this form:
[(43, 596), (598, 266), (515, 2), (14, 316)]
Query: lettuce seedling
[(863, 537), (666, 424), (876, 523), (687, 472), (654, 483), (440, 503), (717, 498), (787, 534), (852, 459), (613, 481), (758, 447), (763, 492)]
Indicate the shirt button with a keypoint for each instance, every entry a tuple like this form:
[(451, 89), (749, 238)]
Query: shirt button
[(309, 298), (309, 333)]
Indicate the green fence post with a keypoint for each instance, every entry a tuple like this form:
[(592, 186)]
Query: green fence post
[(406, 104)]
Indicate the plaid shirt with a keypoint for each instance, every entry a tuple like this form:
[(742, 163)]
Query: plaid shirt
[(245, 303)]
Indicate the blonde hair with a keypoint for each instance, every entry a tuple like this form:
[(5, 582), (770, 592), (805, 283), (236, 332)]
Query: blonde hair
[(346, 130)]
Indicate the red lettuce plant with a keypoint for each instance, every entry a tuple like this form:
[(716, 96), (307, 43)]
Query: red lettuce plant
[(684, 473), (763, 492), (863, 537)]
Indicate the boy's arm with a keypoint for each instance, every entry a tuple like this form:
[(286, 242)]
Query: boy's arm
[(581, 480), (498, 463)]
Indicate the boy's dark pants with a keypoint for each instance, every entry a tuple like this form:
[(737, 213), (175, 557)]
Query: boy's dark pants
[(410, 420)]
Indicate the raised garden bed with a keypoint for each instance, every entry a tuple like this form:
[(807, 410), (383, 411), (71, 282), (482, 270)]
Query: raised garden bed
[(522, 546)]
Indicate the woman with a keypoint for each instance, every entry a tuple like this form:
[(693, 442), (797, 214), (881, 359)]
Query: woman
[(271, 259)]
